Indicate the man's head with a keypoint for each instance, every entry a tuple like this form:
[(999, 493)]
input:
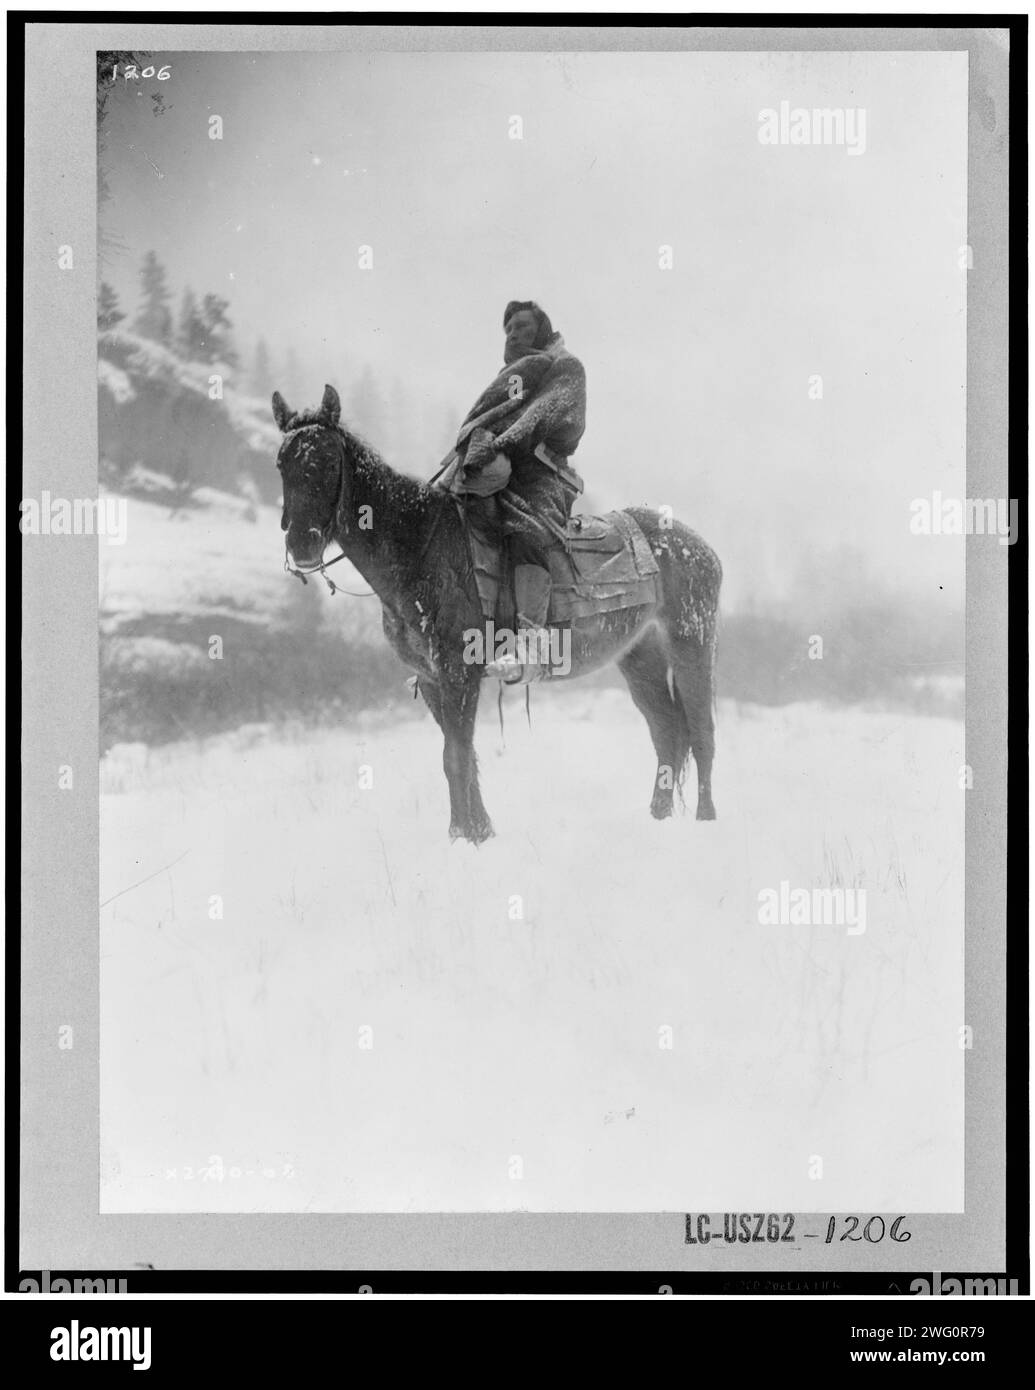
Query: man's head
[(526, 327)]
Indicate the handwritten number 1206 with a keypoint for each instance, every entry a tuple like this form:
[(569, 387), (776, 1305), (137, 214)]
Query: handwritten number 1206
[(130, 71), (870, 1230)]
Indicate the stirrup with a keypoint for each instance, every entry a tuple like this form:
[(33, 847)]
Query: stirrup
[(510, 671)]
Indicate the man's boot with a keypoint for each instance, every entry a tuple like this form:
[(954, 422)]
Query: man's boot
[(532, 601)]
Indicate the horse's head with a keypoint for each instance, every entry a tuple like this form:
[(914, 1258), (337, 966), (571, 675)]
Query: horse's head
[(313, 468)]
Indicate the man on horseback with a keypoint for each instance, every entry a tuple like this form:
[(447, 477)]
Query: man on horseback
[(511, 462)]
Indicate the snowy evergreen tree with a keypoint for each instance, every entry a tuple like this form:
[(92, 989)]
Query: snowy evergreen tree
[(217, 340), (108, 311), (189, 331), (154, 319)]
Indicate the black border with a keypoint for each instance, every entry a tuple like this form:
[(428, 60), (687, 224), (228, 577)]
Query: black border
[(747, 1283)]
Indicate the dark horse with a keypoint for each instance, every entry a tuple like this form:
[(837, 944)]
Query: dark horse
[(408, 542)]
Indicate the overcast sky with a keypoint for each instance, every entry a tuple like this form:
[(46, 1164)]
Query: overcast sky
[(788, 261)]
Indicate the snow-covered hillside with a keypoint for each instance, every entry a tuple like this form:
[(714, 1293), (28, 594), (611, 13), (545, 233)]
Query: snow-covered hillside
[(215, 569), (380, 1020), (190, 420)]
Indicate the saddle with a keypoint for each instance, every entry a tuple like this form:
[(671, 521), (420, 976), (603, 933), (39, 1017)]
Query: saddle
[(603, 564)]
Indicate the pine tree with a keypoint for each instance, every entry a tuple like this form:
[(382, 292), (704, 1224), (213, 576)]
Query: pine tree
[(188, 328), (154, 319), (217, 342), (108, 311)]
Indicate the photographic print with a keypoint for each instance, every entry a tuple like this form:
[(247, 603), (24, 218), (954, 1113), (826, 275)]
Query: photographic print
[(515, 530), (591, 835)]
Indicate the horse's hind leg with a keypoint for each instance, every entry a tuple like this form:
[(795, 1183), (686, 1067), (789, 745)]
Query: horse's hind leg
[(645, 669), (691, 578), (693, 671)]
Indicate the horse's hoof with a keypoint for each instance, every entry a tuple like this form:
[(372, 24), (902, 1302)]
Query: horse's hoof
[(661, 810), (706, 812), (473, 834)]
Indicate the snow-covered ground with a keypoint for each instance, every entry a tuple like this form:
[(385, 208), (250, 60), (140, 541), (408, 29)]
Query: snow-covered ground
[(382, 1021), (221, 558)]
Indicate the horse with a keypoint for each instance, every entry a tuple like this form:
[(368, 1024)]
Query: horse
[(408, 541)]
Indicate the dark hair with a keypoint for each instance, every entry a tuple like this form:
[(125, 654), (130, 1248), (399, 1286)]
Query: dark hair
[(545, 331)]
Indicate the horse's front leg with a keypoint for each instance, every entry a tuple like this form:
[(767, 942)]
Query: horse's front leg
[(454, 703)]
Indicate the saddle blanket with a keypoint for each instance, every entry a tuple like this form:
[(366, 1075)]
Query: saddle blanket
[(605, 564)]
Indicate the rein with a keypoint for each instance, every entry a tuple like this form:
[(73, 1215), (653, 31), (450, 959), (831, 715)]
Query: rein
[(321, 569), (335, 520)]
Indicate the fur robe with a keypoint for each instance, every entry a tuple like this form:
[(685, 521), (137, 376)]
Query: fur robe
[(538, 399)]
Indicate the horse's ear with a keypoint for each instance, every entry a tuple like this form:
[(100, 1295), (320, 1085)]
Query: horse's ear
[(330, 406), (281, 412)]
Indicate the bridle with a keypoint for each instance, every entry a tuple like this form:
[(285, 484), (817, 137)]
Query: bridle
[(326, 532)]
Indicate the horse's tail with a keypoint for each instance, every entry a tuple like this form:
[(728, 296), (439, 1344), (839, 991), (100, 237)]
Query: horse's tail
[(714, 653), (691, 582)]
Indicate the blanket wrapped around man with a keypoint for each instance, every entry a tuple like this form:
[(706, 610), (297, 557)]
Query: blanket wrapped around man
[(537, 402)]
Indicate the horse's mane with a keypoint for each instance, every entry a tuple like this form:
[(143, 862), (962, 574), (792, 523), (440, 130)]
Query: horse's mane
[(413, 505), (361, 454)]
